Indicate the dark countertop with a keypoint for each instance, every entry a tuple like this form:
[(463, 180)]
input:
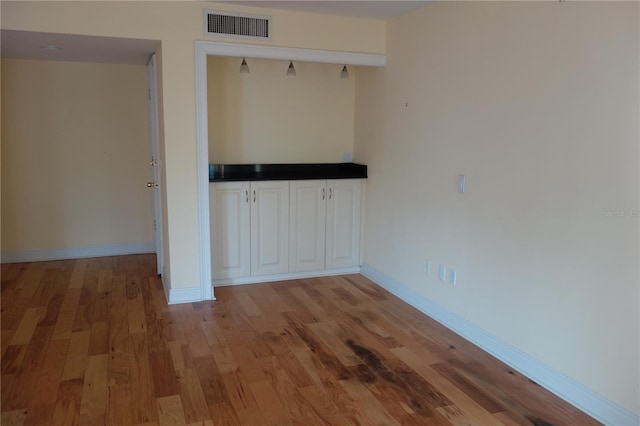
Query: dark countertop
[(241, 172)]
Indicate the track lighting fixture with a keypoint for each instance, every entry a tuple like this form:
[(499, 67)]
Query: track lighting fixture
[(291, 71), (244, 68), (344, 73)]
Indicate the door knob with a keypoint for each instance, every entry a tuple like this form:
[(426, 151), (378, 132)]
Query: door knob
[(152, 184)]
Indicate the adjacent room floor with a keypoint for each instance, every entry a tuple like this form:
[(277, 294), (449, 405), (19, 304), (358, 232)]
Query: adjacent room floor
[(93, 341)]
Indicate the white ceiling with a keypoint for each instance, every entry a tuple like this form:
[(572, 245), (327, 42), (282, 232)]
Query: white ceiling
[(358, 8), (76, 48)]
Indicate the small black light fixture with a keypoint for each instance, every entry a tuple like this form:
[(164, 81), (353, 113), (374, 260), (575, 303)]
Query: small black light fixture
[(244, 68), (344, 73), (291, 71)]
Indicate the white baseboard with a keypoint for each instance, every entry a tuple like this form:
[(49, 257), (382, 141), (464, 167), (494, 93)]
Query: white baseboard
[(75, 252), (184, 295), (574, 393), (284, 277)]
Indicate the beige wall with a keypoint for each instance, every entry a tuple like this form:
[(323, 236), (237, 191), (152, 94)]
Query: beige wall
[(538, 105), (268, 117), (75, 149), (177, 25)]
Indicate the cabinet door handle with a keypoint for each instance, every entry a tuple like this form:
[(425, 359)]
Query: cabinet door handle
[(329, 193), (246, 195), (323, 193), (254, 195)]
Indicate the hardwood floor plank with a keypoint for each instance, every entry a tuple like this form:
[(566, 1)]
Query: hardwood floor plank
[(193, 400), (367, 404), (12, 359), (13, 309), (223, 414), (95, 390), (76, 362), (135, 309), (142, 388), (240, 344), (120, 410), (78, 274), (330, 333), (13, 418), (170, 411), (247, 304), (53, 305), (11, 271), (219, 348), (99, 341), (193, 330), (99, 306), (478, 409), (322, 406), (242, 399), (68, 403), (269, 403), (27, 326), (93, 341), (67, 316), (5, 338), (211, 382), (475, 393), (46, 288), (164, 374), (119, 368), (29, 282), (42, 404), (180, 355)]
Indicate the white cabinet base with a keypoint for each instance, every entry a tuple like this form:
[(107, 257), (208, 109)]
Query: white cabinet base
[(284, 277)]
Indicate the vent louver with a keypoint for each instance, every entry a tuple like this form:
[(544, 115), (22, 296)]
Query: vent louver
[(237, 25)]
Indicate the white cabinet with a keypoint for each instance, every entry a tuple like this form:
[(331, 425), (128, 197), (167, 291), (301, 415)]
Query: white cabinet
[(307, 226), (325, 224), (343, 223), (229, 217), (268, 230), (249, 228), (269, 227)]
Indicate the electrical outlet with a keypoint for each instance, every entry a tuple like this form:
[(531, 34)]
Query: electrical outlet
[(442, 272), (347, 157), (452, 277), (427, 267)]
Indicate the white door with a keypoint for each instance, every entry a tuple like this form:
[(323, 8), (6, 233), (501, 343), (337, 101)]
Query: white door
[(269, 227), (343, 223), (307, 215), (154, 162), (229, 223)]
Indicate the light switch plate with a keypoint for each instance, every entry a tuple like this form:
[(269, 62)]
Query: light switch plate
[(461, 183), (442, 272)]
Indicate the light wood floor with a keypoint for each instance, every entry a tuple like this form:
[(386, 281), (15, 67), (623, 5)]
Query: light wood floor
[(93, 341)]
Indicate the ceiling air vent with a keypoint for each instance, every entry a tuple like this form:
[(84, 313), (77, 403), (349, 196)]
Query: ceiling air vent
[(238, 25)]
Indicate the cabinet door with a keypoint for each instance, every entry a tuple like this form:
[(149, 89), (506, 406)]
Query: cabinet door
[(307, 214), (269, 227), (343, 223), (229, 221)]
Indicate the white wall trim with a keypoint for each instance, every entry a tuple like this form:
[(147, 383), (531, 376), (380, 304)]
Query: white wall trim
[(202, 163), (75, 252), (291, 54), (202, 50), (285, 277), (184, 295), (573, 392)]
